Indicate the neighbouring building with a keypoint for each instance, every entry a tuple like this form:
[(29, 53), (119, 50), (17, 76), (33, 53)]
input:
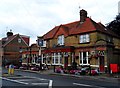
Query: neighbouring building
[(30, 55), (85, 41), (11, 47)]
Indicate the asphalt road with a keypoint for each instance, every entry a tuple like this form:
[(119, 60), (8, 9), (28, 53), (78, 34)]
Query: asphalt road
[(35, 80)]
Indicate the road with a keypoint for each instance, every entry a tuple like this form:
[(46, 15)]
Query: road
[(35, 80)]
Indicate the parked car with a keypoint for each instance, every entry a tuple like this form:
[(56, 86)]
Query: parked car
[(74, 71), (24, 67), (59, 70), (84, 71), (16, 67), (94, 72), (7, 66), (35, 68)]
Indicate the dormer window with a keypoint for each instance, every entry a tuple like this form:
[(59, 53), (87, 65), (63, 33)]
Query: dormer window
[(61, 40), (85, 38)]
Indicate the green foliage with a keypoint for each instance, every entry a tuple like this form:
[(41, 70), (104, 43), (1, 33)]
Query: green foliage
[(115, 25)]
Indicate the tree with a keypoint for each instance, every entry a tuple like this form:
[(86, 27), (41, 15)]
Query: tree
[(115, 25)]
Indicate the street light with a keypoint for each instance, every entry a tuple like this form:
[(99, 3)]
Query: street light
[(20, 56), (29, 58)]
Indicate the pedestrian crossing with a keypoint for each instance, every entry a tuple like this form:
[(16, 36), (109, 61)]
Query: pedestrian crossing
[(30, 81)]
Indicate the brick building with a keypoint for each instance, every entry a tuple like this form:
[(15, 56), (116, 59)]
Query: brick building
[(86, 42), (11, 47)]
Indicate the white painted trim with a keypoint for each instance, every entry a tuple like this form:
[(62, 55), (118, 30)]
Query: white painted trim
[(84, 64), (82, 57), (87, 57), (94, 65)]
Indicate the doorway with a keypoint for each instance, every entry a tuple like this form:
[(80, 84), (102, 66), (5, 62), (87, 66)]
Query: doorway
[(101, 65), (66, 62)]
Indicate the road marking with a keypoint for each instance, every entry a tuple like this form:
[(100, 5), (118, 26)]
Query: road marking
[(39, 83), (24, 79), (78, 84), (15, 81), (36, 78), (50, 83)]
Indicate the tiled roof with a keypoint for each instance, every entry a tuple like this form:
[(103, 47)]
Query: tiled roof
[(65, 27), (6, 40), (76, 27), (87, 26)]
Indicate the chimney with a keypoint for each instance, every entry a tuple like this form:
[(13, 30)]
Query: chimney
[(83, 15), (9, 33)]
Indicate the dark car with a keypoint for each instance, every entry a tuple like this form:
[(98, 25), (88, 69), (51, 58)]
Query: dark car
[(16, 67), (84, 71), (24, 67), (35, 68)]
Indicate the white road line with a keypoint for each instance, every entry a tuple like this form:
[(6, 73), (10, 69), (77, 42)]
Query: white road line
[(15, 81), (50, 83), (24, 79), (78, 84), (36, 78), (39, 83)]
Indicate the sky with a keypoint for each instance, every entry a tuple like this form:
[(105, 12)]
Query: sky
[(36, 17)]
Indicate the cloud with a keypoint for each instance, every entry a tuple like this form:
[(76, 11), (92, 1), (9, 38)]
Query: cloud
[(36, 17)]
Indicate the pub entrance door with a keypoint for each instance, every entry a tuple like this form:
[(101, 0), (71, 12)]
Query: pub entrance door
[(101, 65)]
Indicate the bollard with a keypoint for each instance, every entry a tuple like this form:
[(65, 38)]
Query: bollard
[(12, 69), (9, 70)]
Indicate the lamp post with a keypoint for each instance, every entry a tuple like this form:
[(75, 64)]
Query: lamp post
[(30, 57), (20, 56)]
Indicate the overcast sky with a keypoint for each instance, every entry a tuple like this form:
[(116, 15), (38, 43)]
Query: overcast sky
[(36, 17)]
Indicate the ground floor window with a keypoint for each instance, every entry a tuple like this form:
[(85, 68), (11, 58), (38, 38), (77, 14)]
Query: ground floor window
[(56, 58), (84, 58)]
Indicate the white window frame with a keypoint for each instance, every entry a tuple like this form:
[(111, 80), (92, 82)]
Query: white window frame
[(85, 38), (61, 40), (44, 44), (43, 57), (81, 58), (58, 57)]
